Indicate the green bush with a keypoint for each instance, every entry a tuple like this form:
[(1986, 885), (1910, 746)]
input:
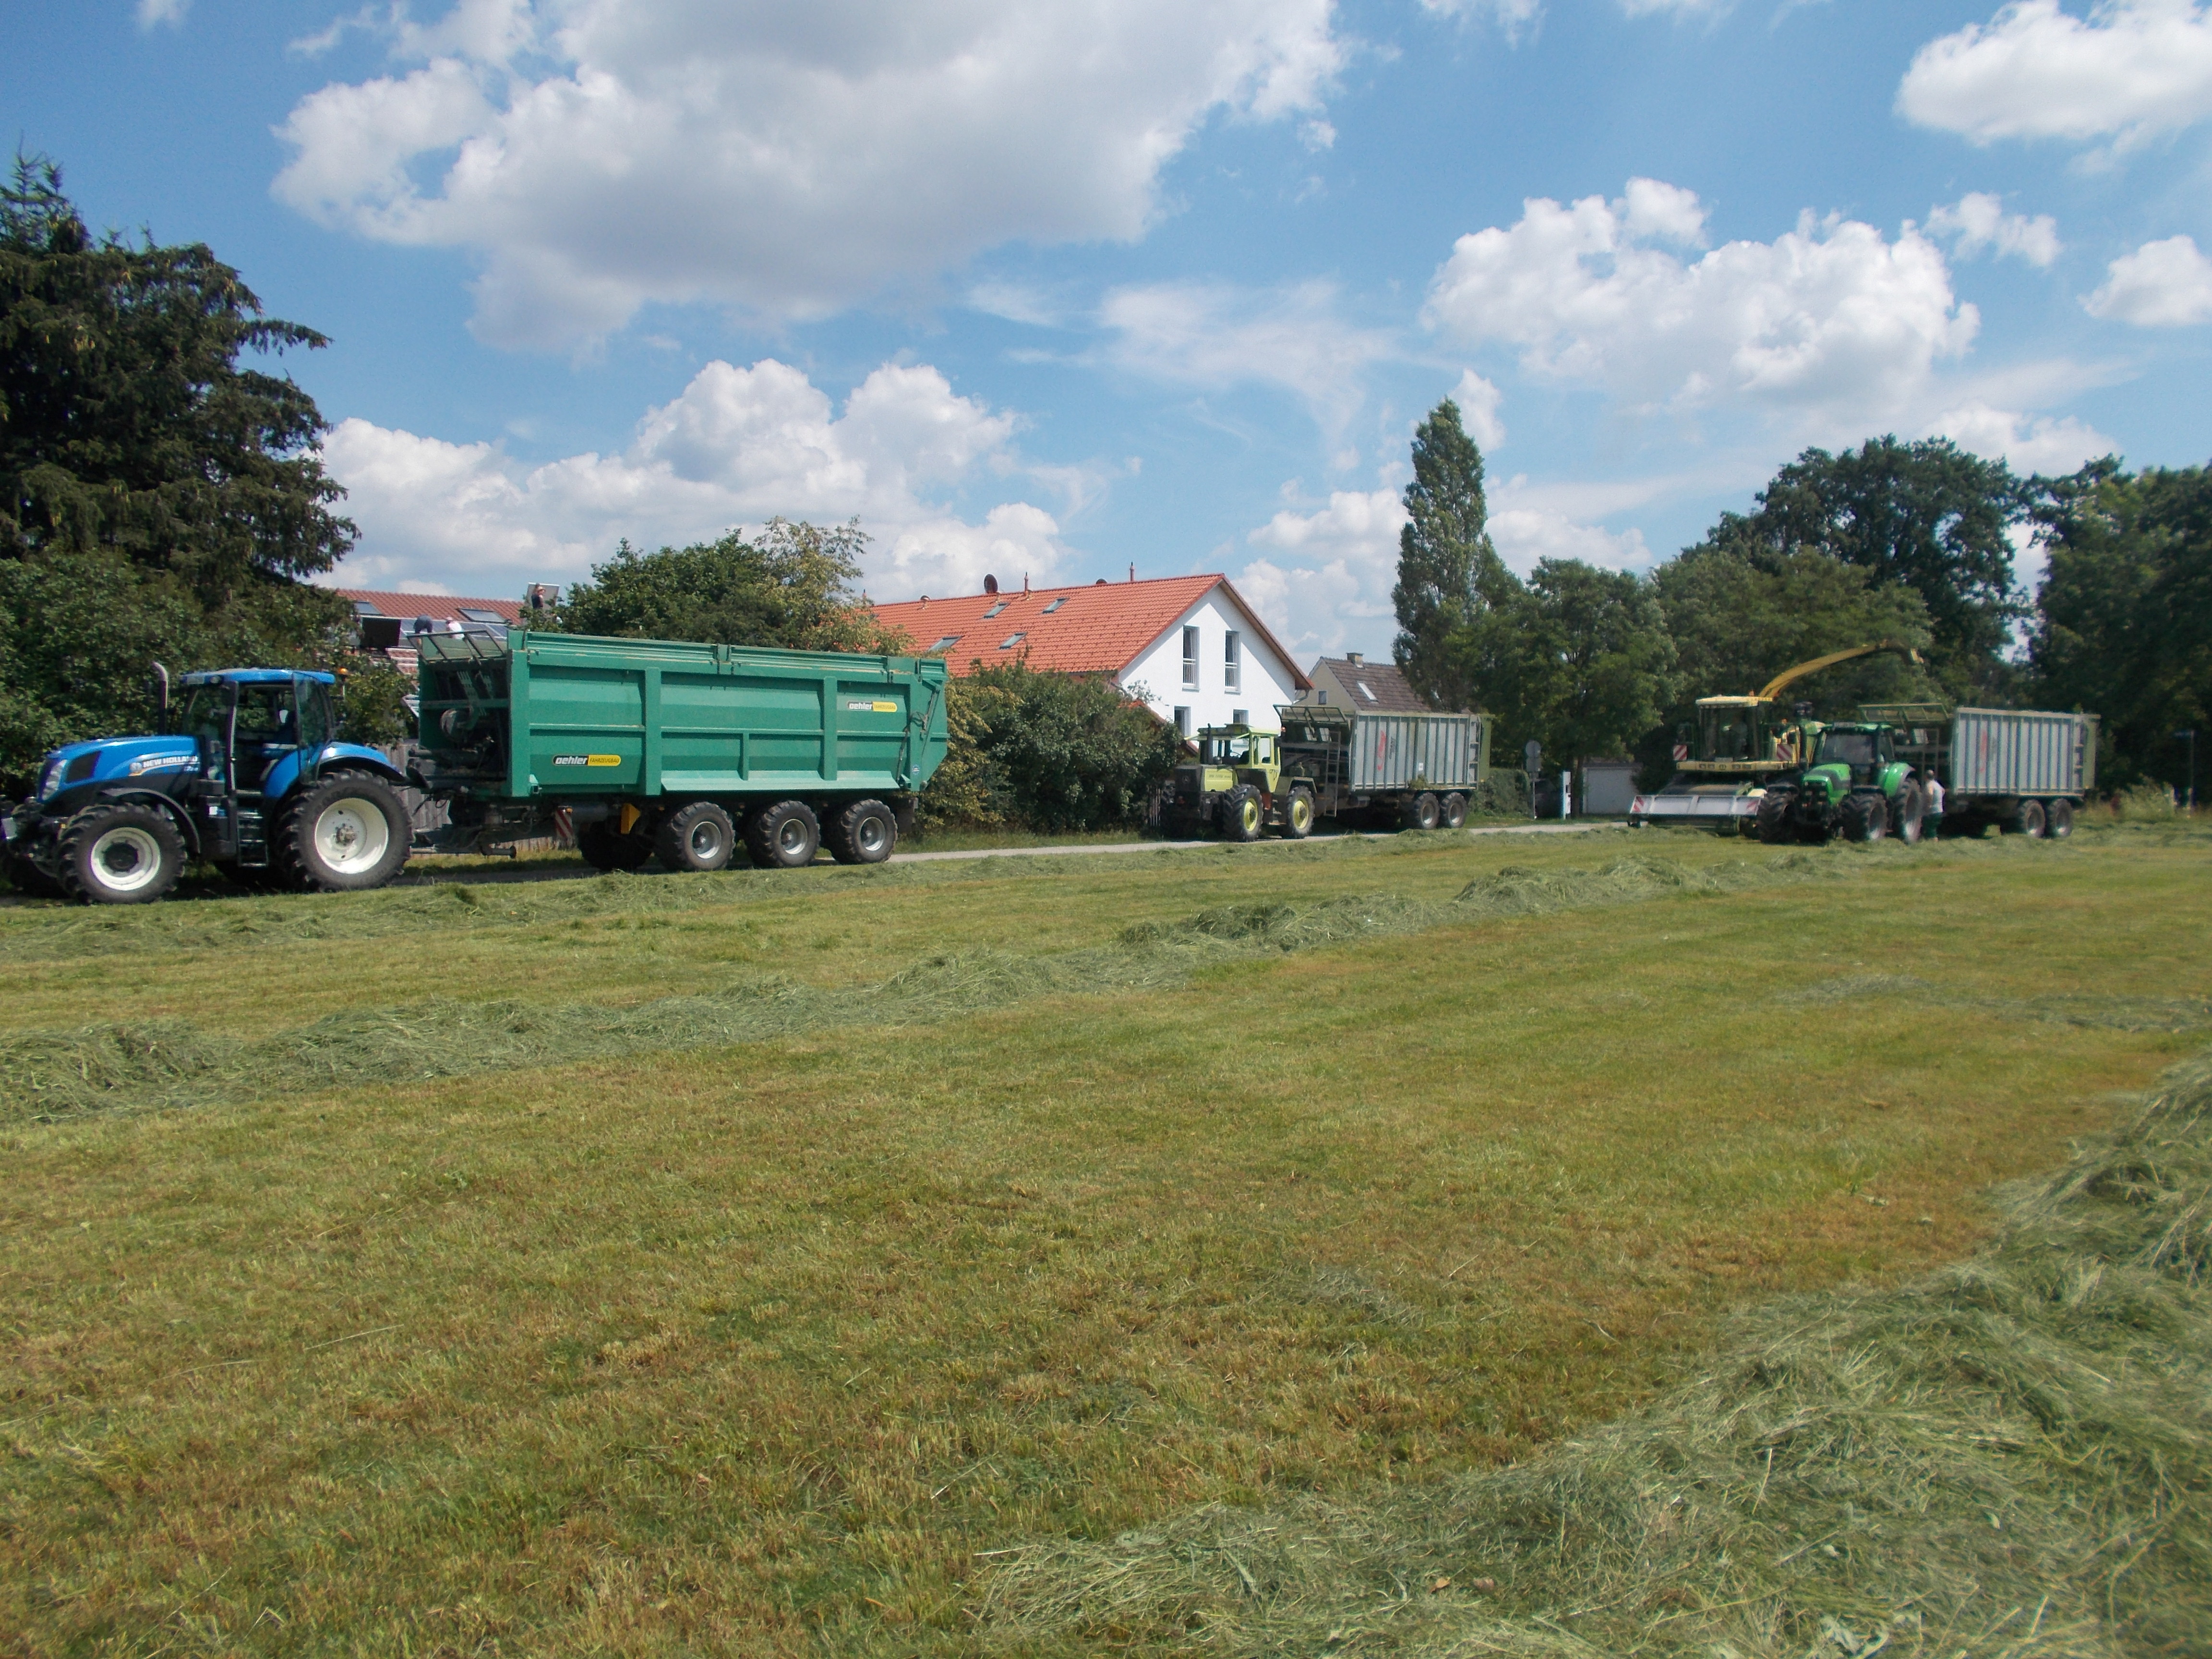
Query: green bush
[(2145, 802), (1046, 752)]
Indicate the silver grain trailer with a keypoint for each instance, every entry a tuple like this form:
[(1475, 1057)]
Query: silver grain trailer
[(2024, 770), (1416, 770)]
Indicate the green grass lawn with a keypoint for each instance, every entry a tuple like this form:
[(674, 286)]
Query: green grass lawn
[(757, 1345)]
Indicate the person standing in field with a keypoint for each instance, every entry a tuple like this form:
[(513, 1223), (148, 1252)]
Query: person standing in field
[(1931, 791)]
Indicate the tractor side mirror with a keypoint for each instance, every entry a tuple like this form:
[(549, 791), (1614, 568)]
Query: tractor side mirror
[(160, 692)]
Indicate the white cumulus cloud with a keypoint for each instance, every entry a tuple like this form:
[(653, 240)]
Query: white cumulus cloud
[(1479, 401), (1980, 224), (154, 12), (1322, 579), (2039, 443), (738, 447), (2128, 70), (599, 155), (1831, 317), (1215, 336), (2164, 284)]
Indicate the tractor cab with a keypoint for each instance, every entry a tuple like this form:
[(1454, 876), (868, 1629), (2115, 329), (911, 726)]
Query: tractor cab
[(1231, 754), (1857, 754)]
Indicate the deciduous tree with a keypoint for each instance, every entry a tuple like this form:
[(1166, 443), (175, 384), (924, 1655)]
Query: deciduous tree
[(2123, 620), (791, 585)]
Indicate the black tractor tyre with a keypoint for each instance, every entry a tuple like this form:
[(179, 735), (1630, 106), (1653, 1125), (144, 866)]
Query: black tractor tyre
[(347, 834), (1453, 810), (26, 878), (784, 836), (699, 836), (1910, 814), (2027, 820), (1863, 818), (1241, 816), (863, 833), (1422, 812), (2058, 819), (1298, 814), (606, 849), (1773, 820), (120, 855)]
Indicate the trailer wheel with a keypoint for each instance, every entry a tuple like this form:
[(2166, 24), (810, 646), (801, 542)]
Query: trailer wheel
[(1454, 810), (1241, 815), (606, 847), (699, 836), (349, 833), (1911, 812), (1863, 818), (1422, 812), (1772, 823), (2058, 819), (1297, 814), (2027, 820), (121, 855), (784, 836), (864, 832)]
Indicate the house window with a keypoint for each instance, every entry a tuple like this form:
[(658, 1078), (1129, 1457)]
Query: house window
[(1365, 689), (1055, 605), (366, 608), (1189, 661), (477, 613), (1182, 722), (1232, 662), (945, 643), (996, 609), (1240, 717), (1011, 641)]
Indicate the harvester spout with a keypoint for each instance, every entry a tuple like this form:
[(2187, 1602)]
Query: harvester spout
[(1773, 688)]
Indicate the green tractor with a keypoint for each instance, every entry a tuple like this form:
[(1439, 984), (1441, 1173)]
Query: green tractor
[(1854, 786), (1236, 786)]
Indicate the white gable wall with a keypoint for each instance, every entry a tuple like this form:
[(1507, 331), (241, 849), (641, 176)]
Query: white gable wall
[(1264, 679)]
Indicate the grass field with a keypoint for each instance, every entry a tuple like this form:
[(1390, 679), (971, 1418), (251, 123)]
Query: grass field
[(669, 1264)]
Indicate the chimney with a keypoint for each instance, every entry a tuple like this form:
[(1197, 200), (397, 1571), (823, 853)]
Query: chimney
[(1354, 658), (1133, 571), (1025, 581)]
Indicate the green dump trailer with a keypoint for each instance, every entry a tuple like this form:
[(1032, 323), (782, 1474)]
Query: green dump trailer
[(645, 749)]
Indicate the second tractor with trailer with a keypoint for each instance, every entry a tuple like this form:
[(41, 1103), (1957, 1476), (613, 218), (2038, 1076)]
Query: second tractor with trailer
[(2024, 771), (644, 749), (1413, 771)]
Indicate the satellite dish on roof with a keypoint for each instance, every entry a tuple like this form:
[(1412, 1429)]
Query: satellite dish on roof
[(990, 584)]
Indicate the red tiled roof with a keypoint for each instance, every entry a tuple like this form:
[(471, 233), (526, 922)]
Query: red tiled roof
[(438, 607), (1099, 630)]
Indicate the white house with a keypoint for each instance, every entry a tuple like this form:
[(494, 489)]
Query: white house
[(1188, 645)]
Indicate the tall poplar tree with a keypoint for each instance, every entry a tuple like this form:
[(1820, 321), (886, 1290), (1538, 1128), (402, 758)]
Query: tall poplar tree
[(1448, 572)]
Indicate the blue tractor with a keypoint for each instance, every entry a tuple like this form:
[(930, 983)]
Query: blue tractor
[(248, 775)]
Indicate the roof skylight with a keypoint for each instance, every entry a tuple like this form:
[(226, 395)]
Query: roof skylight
[(1055, 605), (996, 609), (945, 643), (1011, 641)]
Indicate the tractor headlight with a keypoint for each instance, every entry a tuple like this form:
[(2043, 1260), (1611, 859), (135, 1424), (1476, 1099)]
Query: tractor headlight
[(51, 779)]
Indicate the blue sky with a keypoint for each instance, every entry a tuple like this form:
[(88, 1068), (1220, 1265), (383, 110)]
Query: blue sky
[(1056, 291)]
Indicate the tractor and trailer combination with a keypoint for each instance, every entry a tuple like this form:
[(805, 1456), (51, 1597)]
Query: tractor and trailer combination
[(641, 748), (1794, 778), (1411, 771)]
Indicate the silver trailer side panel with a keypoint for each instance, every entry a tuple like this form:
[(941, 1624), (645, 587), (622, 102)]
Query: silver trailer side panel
[(1997, 751), (1391, 752)]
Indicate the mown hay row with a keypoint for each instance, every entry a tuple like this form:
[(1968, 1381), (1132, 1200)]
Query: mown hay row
[(51, 1075), (2010, 1457)]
